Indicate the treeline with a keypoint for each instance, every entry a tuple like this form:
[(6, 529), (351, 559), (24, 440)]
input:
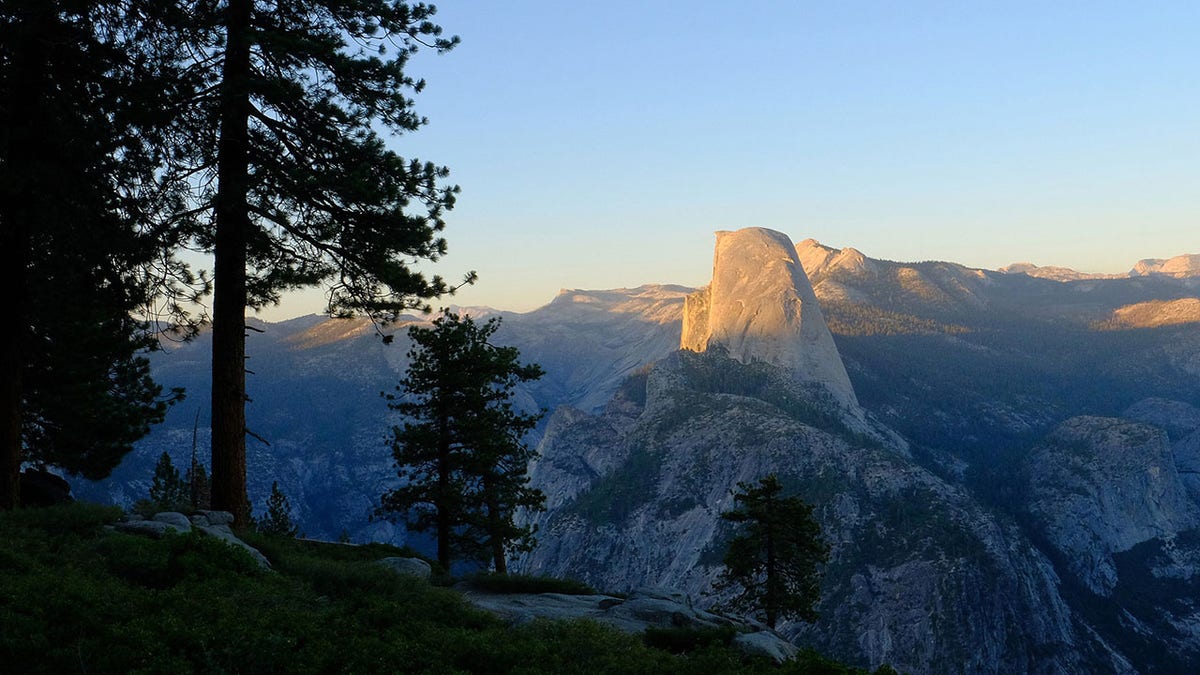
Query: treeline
[(132, 131), (862, 320)]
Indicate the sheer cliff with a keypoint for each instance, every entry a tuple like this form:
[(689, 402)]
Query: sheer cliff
[(761, 307)]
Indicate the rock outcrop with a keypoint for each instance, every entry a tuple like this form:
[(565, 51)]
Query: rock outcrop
[(42, 488), (1181, 266), (1100, 486), (760, 306), (976, 367), (1156, 313), (1052, 272), (214, 524), (413, 567), (1181, 421), (638, 611)]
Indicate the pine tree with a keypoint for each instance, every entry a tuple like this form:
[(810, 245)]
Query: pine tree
[(461, 452), (168, 491), (289, 101), (198, 489), (278, 518), (197, 476), (775, 560), (498, 468), (85, 239)]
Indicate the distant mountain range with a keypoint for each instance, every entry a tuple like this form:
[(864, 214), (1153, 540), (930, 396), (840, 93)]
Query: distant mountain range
[(1004, 461), (1179, 267)]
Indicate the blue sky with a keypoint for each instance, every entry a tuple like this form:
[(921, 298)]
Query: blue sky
[(599, 145)]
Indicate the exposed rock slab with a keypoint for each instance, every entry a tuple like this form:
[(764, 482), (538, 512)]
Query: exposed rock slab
[(1175, 417), (180, 521), (642, 609), (212, 523), (413, 567), (1099, 486), (760, 306), (226, 535), (148, 528), (1181, 266)]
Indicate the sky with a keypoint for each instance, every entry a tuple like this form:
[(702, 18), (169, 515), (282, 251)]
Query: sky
[(600, 145)]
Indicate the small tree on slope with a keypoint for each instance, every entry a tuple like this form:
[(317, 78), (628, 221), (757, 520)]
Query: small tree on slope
[(775, 559), (278, 518), (461, 452), (168, 491)]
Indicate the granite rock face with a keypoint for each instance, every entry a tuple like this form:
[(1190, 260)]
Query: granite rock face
[(1181, 266), (760, 306), (212, 523), (640, 610), (921, 577), (1099, 486)]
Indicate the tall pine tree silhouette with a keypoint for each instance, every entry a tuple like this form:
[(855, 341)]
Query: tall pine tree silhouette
[(300, 187), (86, 232)]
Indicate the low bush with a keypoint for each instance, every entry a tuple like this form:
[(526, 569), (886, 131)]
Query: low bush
[(682, 640), (77, 598)]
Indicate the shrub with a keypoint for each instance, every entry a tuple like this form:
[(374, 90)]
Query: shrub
[(76, 599), (682, 640)]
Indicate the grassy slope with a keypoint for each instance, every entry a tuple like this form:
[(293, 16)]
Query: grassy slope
[(77, 598)]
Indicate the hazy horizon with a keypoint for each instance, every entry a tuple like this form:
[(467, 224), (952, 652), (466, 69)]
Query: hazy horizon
[(303, 304), (601, 149)]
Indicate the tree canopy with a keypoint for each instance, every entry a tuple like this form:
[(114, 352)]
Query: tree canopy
[(775, 559), (248, 129), (86, 235), (461, 452), (277, 519), (281, 139)]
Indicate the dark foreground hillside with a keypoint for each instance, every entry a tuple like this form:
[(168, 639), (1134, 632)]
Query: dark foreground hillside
[(75, 597)]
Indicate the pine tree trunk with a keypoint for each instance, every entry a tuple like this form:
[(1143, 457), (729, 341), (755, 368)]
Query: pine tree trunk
[(10, 392), (14, 250), (495, 524), (19, 205), (443, 507), (229, 272), (14, 247)]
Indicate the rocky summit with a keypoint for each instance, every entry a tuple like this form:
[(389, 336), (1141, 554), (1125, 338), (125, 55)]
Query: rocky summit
[(760, 306)]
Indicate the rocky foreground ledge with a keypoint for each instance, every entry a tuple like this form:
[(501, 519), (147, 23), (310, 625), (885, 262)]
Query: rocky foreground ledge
[(642, 609), (212, 523)]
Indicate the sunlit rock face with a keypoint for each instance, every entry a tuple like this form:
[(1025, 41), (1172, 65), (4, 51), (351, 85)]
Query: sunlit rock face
[(760, 306), (1187, 265)]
